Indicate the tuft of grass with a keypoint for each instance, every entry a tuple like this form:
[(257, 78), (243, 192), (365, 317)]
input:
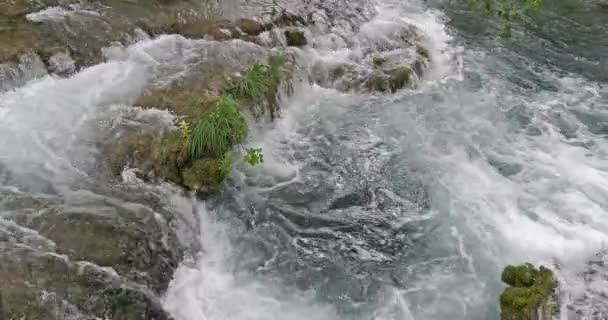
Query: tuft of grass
[(218, 130), (258, 81)]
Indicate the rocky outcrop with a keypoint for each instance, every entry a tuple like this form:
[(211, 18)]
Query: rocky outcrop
[(63, 263), (530, 294), (75, 33), (165, 155)]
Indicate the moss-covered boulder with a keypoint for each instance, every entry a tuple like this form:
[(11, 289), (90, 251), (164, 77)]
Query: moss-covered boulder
[(295, 38), (203, 175), (529, 295)]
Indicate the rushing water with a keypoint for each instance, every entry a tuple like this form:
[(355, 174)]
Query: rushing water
[(371, 206)]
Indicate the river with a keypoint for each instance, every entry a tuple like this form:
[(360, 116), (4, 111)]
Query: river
[(368, 206)]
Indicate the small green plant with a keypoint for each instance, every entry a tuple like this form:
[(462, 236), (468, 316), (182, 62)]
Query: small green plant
[(258, 80), (253, 156), (218, 130), (226, 162), (184, 128)]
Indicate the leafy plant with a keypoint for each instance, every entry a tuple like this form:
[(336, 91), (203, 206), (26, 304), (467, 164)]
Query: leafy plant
[(258, 80), (218, 130), (226, 162), (253, 156), (184, 128)]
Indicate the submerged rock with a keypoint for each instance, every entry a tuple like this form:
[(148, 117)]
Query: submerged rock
[(530, 295)]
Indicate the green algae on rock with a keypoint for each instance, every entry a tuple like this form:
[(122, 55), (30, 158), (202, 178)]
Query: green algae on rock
[(295, 38), (529, 295)]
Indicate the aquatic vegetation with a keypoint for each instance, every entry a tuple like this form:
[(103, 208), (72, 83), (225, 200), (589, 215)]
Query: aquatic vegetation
[(508, 11), (529, 290), (253, 156), (216, 131), (258, 81), (226, 162), (378, 60), (295, 38), (203, 175), (184, 128)]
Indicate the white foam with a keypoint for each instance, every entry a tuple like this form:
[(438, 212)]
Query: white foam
[(57, 13), (213, 290)]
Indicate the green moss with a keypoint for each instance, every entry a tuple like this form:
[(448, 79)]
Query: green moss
[(529, 290), (156, 156), (295, 38), (399, 78), (204, 175), (378, 60), (390, 81)]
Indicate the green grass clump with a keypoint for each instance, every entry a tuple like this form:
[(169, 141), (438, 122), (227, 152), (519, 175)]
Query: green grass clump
[(258, 81), (529, 288), (218, 130)]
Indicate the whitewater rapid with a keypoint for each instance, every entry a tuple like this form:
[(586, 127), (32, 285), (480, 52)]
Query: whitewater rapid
[(368, 206)]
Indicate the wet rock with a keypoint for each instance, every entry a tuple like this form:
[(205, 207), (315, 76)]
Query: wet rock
[(295, 38), (48, 286), (530, 295), (383, 72), (159, 156), (506, 169), (187, 100), (390, 81), (128, 244), (251, 27)]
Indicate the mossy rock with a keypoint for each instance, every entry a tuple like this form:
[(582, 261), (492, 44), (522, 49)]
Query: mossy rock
[(204, 175), (378, 60), (42, 286), (128, 244), (157, 156), (399, 78), (390, 81), (529, 294), (184, 98), (295, 38), (251, 27)]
